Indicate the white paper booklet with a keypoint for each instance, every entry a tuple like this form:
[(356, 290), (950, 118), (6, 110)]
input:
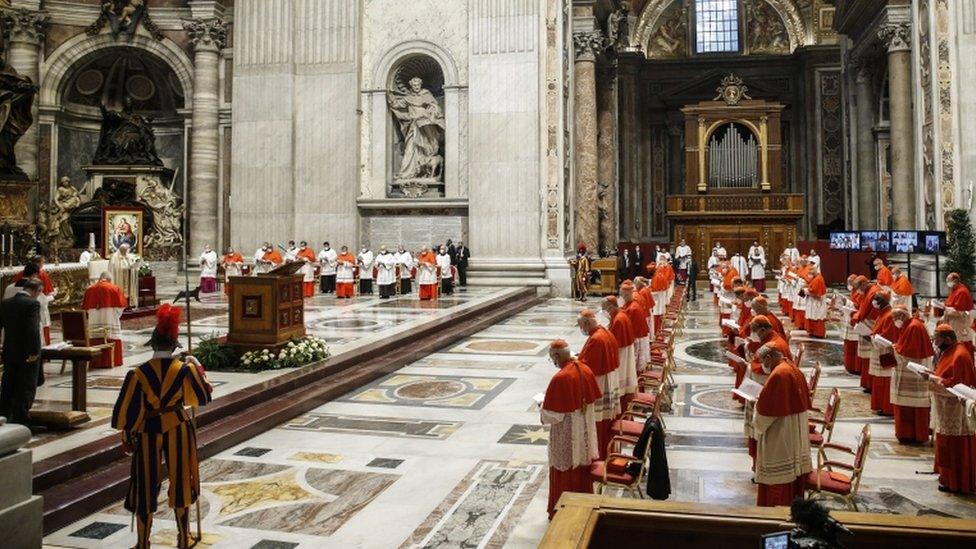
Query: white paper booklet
[(964, 392), (57, 346), (862, 329), (881, 341), (937, 304), (539, 399), (724, 300), (748, 390), (729, 323), (734, 357), (918, 368)]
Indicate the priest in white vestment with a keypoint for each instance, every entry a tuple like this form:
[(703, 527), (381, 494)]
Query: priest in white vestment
[(757, 266), (386, 273), (208, 270), (124, 268), (365, 259), (327, 264), (407, 263)]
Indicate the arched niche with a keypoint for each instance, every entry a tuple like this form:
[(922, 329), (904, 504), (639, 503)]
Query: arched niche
[(392, 70), (158, 77)]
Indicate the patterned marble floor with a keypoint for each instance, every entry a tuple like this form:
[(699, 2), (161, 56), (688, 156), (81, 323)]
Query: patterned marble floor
[(346, 325), (448, 452)]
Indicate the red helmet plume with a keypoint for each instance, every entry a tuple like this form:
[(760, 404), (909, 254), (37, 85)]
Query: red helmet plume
[(168, 321)]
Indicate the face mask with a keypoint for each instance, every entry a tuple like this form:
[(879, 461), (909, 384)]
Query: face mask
[(754, 338), (850, 288), (875, 304), (749, 303), (951, 285), (899, 323)]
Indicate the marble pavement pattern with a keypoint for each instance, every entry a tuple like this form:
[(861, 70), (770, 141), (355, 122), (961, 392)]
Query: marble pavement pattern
[(374, 473)]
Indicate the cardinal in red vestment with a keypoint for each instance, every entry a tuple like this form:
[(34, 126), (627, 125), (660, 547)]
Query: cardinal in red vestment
[(909, 392), (568, 411), (882, 362), (816, 306), (781, 429), (760, 331), (866, 313), (955, 439), (307, 255), (851, 362), (602, 354), (959, 310), (104, 302), (638, 320), (623, 332)]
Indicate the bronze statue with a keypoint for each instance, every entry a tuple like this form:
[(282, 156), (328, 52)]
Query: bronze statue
[(16, 98), (126, 138)]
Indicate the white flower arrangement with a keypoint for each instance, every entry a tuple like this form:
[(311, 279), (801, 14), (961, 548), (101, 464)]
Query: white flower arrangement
[(295, 354)]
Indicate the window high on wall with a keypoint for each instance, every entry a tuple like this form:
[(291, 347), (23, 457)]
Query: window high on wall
[(717, 26)]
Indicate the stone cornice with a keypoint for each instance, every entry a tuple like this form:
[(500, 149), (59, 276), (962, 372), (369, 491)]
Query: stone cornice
[(65, 12)]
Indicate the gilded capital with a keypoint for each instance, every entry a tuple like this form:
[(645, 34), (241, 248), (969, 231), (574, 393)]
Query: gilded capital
[(23, 25), (208, 33), (588, 44), (896, 36)]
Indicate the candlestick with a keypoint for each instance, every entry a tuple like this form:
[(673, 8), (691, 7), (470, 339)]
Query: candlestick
[(91, 240)]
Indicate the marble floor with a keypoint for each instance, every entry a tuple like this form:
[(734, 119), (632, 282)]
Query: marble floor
[(448, 452), (345, 325)]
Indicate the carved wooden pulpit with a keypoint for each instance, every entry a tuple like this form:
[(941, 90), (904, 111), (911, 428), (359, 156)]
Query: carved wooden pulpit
[(268, 309), (734, 192)]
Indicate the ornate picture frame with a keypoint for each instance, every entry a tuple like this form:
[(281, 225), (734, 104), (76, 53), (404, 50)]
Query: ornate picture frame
[(122, 226)]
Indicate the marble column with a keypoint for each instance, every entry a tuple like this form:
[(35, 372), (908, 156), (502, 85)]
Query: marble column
[(868, 194), (25, 31), (607, 156), (587, 223), (208, 37), (898, 39)]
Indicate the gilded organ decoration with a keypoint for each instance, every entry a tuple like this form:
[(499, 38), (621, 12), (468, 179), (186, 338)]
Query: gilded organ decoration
[(670, 39), (767, 32)]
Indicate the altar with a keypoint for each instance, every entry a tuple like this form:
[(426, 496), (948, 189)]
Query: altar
[(70, 279)]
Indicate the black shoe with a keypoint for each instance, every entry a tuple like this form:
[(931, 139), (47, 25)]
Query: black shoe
[(946, 489)]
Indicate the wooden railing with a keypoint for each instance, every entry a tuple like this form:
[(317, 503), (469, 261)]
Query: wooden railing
[(597, 522), (736, 203)]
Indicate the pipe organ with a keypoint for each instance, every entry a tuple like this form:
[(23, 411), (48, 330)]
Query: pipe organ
[(734, 192), (733, 160)]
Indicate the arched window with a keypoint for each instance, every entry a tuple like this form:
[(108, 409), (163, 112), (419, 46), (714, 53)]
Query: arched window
[(717, 26)]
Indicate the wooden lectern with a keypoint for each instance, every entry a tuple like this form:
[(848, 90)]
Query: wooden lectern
[(268, 309)]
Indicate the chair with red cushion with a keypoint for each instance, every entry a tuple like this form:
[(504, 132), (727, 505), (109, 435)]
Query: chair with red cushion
[(821, 429), (614, 471), (826, 480)]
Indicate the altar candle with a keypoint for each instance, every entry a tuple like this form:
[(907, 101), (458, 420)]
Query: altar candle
[(91, 240)]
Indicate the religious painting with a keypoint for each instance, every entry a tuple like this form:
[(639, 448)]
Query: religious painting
[(122, 226), (252, 306)]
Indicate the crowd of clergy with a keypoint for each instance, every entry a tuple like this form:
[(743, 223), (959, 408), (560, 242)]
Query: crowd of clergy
[(343, 274)]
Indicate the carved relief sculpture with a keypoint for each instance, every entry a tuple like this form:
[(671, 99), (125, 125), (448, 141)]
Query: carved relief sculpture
[(16, 98), (66, 198), (618, 27), (167, 210), (420, 126), (123, 18), (126, 138), (671, 37), (767, 31)]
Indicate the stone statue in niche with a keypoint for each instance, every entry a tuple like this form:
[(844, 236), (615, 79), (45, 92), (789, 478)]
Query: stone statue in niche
[(420, 127), (126, 138), (16, 98), (767, 32), (167, 210), (671, 37)]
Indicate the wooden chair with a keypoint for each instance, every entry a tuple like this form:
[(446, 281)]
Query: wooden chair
[(800, 350), (613, 471), (825, 480), (814, 379), (75, 330), (821, 429)]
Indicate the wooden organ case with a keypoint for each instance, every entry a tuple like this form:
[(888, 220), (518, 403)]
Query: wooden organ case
[(734, 191)]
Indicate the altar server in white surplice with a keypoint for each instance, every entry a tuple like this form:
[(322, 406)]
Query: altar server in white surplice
[(208, 270), (365, 260), (447, 274), (407, 263), (386, 273), (327, 262)]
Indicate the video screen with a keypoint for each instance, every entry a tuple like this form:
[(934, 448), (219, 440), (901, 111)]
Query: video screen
[(932, 242), (875, 241), (904, 242), (845, 241)]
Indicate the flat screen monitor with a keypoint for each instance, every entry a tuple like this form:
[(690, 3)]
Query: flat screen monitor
[(905, 242), (845, 241), (875, 241), (932, 242), (776, 540)]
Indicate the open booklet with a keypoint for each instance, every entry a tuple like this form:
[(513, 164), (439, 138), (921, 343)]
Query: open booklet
[(881, 341), (965, 392), (919, 369), (734, 357), (538, 399), (862, 329), (748, 390), (938, 304), (724, 300), (729, 323)]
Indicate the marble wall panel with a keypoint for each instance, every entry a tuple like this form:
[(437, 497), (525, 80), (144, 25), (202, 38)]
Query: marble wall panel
[(413, 231)]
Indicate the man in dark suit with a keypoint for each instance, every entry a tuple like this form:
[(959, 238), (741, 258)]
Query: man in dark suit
[(625, 265), (638, 268), (20, 322), (451, 250), (460, 258)]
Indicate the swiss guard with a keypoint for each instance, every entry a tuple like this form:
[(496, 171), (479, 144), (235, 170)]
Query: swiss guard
[(154, 422)]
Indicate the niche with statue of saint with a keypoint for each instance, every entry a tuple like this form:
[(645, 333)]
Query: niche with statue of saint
[(415, 98)]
